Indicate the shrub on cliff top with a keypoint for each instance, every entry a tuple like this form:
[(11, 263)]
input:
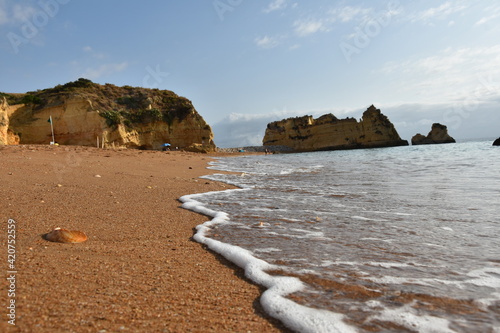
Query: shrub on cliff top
[(30, 99), (70, 86), (80, 83), (113, 117)]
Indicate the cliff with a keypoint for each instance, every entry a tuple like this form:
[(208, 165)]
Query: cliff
[(330, 133), (438, 134), (7, 136), (83, 111)]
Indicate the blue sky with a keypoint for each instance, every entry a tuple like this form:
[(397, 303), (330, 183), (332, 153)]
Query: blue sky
[(245, 63)]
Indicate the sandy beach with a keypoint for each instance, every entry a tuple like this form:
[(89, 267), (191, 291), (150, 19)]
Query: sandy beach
[(139, 270)]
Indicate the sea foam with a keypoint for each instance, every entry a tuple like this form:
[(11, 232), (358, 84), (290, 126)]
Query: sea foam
[(407, 317), (295, 316)]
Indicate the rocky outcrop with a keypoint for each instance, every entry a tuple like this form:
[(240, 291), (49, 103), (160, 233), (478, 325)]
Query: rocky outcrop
[(330, 133), (4, 121), (7, 136), (496, 142), (84, 113), (438, 134)]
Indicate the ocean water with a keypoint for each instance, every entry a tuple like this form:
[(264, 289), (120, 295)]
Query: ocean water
[(402, 239)]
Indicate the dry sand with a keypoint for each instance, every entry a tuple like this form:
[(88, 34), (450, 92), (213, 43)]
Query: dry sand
[(139, 271)]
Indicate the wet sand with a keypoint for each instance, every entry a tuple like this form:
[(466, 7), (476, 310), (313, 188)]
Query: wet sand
[(139, 270)]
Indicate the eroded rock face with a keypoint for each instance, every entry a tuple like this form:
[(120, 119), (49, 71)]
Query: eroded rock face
[(7, 136), (4, 121), (330, 133), (438, 134), (84, 113)]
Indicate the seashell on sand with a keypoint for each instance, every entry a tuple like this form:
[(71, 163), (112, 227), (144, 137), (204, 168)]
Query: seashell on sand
[(59, 235)]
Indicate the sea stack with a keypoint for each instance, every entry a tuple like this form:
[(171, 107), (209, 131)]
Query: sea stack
[(330, 133), (438, 134), (496, 142)]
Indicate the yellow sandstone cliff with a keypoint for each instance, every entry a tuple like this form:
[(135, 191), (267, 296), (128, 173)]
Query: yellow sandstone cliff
[(84, 113), (7, 137), (330, 133)]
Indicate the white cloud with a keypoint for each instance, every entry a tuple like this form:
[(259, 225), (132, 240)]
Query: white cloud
[(463, 121), (449, 59), (276, 5), (22, 13), (4, 17), (306, 26), (106, 69), (266, 42), (485, 19), (93, 53), (452, 74), (343, 15), (349, 13), (240, 130), (441, 12), (310, 26), (15, 14), (493, 13)]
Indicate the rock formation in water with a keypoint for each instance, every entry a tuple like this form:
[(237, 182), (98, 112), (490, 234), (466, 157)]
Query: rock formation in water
[(438, 134), (84, 112), (496, 142), (330, 133)]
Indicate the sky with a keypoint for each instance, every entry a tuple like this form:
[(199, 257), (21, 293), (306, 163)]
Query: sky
[(246, 63)]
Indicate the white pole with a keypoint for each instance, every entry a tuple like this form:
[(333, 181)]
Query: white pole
[(52, 130)]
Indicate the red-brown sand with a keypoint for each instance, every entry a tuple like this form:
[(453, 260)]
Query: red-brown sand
[(139, 270)]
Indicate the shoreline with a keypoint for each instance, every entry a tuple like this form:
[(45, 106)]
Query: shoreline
[(140, 268)]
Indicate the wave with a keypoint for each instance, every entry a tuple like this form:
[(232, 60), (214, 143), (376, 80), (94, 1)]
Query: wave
[(295, 316)]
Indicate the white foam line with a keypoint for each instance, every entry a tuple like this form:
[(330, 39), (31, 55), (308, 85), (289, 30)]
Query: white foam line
[(268, 250), (407, 317), (367, 219), (297, 317)]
